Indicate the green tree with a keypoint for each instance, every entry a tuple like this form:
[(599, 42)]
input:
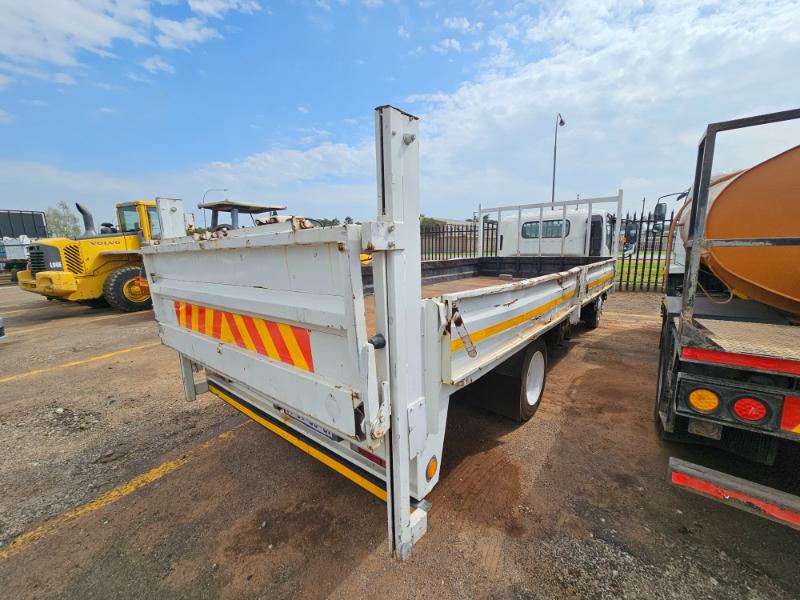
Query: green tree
[(62, 221), (328, 222), (427, 221), (348, 220)]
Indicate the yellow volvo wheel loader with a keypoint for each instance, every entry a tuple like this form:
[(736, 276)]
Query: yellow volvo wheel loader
[(96, 268)]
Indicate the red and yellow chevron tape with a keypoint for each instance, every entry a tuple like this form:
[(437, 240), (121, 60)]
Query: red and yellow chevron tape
[(279, 341)]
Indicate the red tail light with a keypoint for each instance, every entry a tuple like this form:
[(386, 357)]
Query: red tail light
[(750, 409)]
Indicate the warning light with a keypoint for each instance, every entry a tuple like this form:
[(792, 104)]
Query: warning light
[(703, 400), (750, 409), (430, 471)]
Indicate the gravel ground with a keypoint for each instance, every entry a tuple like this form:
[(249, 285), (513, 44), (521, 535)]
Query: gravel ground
[(573, 504)]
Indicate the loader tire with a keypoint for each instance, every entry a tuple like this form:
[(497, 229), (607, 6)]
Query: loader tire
[(94, 302), (121, 291)]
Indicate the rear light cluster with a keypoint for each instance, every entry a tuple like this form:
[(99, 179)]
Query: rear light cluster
[(746, 409)]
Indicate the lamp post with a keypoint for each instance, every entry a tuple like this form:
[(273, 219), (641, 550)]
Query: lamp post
[(559, 123), (203, 201)]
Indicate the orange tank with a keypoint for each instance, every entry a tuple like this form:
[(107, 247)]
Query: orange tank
[(763, 201)]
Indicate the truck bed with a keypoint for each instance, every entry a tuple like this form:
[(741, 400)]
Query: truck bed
[(436, 289)]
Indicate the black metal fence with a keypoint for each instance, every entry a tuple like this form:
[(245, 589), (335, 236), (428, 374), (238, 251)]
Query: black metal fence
[(643, 252), (442, 240), (642, 247)]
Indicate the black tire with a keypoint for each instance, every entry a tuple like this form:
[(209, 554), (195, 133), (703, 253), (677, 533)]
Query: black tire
[(590, 314), (115, 286), (533, 377), (14, 278)]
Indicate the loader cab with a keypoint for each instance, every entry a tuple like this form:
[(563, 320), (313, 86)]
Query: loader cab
[(139, 216), (235, 209)]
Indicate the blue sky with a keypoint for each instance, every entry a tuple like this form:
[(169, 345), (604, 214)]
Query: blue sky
[(102, 101)]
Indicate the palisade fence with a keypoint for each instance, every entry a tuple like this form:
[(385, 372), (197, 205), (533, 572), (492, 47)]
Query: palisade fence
[(446, 240), (642, 247), (642, 253)]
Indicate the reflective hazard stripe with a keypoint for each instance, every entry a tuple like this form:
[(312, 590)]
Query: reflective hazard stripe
[(279, 341), (790, 417), (307, 445)]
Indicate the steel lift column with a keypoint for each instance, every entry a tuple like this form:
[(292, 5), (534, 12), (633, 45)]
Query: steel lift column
[(398, 288)]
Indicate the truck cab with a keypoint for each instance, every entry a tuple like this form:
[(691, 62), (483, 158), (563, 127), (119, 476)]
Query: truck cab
[(556, 232)]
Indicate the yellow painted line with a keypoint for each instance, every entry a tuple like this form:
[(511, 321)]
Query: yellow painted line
[(597, 282), (118, 493), (55, 322), (76, 363), (300, 444), (482, 334)]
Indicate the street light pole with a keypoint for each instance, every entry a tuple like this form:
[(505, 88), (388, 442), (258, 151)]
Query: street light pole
[(559, 123)]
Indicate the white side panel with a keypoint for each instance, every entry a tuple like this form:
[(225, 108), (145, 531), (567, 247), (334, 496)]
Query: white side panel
[(501, 319), (300, 291)]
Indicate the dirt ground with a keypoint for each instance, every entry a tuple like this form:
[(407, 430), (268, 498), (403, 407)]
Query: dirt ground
[(112, 486)]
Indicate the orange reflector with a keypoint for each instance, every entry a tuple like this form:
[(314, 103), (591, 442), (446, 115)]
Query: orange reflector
[(703, 400), (750, 409), (430, 471)]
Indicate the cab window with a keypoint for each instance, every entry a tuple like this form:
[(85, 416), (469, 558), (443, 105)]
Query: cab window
[(155, 224), (550, 229), (129, 219)]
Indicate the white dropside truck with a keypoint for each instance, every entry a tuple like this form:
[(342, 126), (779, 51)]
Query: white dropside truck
[(274, 320), (529, 232)]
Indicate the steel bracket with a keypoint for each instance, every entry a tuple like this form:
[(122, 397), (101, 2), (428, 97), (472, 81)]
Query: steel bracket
[(381, 236)]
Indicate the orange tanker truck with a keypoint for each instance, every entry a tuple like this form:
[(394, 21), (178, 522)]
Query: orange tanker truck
[(729, 365)]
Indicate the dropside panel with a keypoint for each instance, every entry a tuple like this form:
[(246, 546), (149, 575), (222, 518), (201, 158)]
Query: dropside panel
[(279, 312)]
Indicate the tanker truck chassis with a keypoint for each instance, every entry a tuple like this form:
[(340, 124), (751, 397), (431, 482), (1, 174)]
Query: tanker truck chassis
[(274, 320), (729, 369)]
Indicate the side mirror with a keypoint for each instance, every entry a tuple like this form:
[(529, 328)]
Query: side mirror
[(660, 212), (658, 228)]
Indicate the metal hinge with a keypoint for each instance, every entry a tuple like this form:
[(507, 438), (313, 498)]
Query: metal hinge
[(380, 425), (472, 351)]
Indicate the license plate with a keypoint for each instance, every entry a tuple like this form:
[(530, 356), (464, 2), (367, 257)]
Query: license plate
[(319, 429)]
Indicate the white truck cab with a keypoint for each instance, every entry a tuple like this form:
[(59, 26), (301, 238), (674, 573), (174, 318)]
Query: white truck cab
[(542, 232)]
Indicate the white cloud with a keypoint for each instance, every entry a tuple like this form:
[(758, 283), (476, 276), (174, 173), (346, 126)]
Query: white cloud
[(372, 3), (447, 45), (302, 109), (139, 78), (637, 84), (105, 110), (37, 103), (5, 117), (44, 39), (463, 25), (403, 32), (5, 80), (218, 8), (156, 64), (179, 34)]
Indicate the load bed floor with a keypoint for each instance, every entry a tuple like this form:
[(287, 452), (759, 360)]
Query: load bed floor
[(436, 289)]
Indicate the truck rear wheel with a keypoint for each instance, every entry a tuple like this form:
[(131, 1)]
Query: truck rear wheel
[(590, 314), (532, 380), (122, 290)]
